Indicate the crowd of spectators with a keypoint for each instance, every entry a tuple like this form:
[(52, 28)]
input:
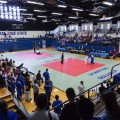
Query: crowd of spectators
[(89, 38)]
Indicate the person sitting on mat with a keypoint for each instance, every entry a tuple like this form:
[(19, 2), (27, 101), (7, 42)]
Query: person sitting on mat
[(37, 51)]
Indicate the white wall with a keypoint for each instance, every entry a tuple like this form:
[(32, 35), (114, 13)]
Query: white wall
[(23, 34)]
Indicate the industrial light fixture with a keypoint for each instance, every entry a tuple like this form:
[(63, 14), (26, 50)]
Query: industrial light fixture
[(36, 3), (91, 14), (73, 17), (77, 9), (2, 1), (27, 14), (108, 3), (31, 18), (39, 10), (62, 6), (107, 18), (21, 9), (42, 16), (54, 13)]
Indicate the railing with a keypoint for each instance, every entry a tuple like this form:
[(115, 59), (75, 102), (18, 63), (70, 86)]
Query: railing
[(14, 96), (113, 68)]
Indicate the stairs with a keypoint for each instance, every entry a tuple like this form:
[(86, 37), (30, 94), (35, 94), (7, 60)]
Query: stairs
[(6, 95)]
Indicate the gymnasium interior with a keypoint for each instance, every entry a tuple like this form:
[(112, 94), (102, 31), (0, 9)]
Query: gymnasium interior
[(59, 59)]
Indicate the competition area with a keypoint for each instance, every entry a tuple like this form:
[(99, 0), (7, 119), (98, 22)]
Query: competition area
[(69, 74)]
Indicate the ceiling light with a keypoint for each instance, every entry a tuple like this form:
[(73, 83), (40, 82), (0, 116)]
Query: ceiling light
[(73, 17), (63, 6), (108, 3), (26, 14), (42, 16), (36, 3), (107, 18), (2, 1), (31, 19), (91, 14), (56, 13), (77, 9), (39, 11), (21, 9)]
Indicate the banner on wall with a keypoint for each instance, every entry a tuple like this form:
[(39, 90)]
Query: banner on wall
[(21, 34), (13, 32)]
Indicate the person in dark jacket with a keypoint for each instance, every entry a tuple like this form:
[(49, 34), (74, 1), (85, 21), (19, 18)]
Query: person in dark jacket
[(69, 111), (62, 58)]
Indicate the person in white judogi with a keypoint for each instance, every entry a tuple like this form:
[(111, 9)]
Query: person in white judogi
[(87, 59)]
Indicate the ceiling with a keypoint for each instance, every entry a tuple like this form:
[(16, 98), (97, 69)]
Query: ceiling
[(88, 10)]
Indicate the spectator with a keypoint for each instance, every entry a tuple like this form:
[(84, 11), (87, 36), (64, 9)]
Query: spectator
[(19, 89), (114, 54), (69, 111), (40, 113), (81, 88), (46, 75), (51, 84), (102, 88), (39, 78), (35, 89), (1, 58), (13, 66), (47, 88), (2, 81), (28, 86), (86, 109), (55, 103), (5, 114), (112, 108), (22, 81)]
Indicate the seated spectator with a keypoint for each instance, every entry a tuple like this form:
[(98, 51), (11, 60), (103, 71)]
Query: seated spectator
[(102, 88), (86, 109), (111, 105), (5, 114), (40, 113), (56, 103), (69, 111)]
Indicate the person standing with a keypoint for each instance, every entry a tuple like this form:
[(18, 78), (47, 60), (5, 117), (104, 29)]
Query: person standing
[(47, 88), (46, 75), (39, 78), (92, 59), (114, 54), (81, 88), (28, 86), (62, 58), (35, 89)]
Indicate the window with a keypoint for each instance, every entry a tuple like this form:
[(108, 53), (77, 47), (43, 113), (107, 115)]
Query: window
[(91, 27), (101, 26), (108, 26), (85, 27)]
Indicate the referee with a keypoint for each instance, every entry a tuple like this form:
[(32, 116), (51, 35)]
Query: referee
[(62, 58)]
